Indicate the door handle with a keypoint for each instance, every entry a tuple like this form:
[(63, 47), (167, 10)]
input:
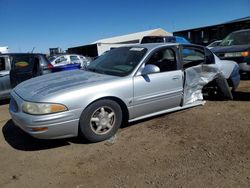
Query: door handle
[(176, 78)]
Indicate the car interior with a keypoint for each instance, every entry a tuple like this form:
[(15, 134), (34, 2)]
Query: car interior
[(164, 59), (192, 57), (2, 64)]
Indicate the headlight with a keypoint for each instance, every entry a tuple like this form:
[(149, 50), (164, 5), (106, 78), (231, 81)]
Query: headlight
[(42, 108), (237, 54)]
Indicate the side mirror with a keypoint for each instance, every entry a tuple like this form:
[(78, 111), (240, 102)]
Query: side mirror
[(149, 69)]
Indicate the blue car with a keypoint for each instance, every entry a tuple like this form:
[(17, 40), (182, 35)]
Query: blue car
[(66, 67)]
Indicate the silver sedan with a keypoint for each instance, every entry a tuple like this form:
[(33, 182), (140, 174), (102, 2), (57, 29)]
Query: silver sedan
[(125, 84)]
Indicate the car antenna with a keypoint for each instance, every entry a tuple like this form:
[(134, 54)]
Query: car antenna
[(33, 49)]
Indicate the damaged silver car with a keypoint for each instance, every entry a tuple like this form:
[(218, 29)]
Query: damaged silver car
[(125, 84)]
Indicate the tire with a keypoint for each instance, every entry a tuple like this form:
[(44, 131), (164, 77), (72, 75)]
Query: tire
[(223, 88), (100, 120)]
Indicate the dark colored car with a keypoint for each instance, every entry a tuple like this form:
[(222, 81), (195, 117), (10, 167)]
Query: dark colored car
[(18, 67), (25, 66), (214, 44), (236, 47), (164, 39)]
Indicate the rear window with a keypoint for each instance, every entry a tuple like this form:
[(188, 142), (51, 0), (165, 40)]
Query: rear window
[(170, 39), (192, 57)]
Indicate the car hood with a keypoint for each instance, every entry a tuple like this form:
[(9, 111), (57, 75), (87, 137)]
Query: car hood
[(57, 83), (234, 48)]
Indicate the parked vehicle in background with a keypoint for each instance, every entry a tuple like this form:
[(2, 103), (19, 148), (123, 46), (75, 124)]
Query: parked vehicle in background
[(4, 49), (148, 80), (18, 67), (214, 44), (236, 47), (164, 39), (68, 62), (86, 61), (5, 86)]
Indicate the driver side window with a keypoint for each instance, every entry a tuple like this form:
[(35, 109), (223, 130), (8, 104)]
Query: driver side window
[(165, 59)]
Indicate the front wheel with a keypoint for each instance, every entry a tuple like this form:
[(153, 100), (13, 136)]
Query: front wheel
[(100, 120)]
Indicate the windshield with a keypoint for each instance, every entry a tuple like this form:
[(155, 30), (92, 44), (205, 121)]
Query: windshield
[(238, 38), (215, 43), (119, 61), (52, 58)]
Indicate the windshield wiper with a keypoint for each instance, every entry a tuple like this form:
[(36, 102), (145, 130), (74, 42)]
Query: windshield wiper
[(91, 69), (96, 70)]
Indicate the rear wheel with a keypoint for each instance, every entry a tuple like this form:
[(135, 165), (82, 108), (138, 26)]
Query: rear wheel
[(100, 120), (218, 89)]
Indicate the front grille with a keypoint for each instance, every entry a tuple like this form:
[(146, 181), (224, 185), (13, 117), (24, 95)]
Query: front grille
[(13, 105)]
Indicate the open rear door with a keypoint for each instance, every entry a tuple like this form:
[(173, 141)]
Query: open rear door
[(200, 69), (4, 78), (24, 67)]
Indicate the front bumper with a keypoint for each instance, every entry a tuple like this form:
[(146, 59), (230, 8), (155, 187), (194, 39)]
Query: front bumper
[(58, 125), (244, 67)]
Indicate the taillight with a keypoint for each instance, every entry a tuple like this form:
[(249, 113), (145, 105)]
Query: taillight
[(50, 66)]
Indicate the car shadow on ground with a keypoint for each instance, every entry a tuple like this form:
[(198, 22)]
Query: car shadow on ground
[(20, 140), (241, 96), (237, 96), (4, 101), (245, 77)]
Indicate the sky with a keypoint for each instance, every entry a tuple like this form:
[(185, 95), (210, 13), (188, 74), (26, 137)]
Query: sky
[(44, 24)]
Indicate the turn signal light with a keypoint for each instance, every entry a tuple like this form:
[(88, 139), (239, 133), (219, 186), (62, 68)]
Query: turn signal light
[(245, 54), (36, 129)]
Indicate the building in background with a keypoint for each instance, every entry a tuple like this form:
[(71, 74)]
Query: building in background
[(54, 51), (103, 45), (4, 49), (208, 34)]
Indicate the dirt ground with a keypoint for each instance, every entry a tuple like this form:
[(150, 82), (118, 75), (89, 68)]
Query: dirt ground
[(205, 146)]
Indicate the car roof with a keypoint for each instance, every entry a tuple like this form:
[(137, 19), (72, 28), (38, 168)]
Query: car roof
[(243, 30), (57, 55), (157, 36), (163, 36), (21, 54), (151, 46), (154, 45)]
